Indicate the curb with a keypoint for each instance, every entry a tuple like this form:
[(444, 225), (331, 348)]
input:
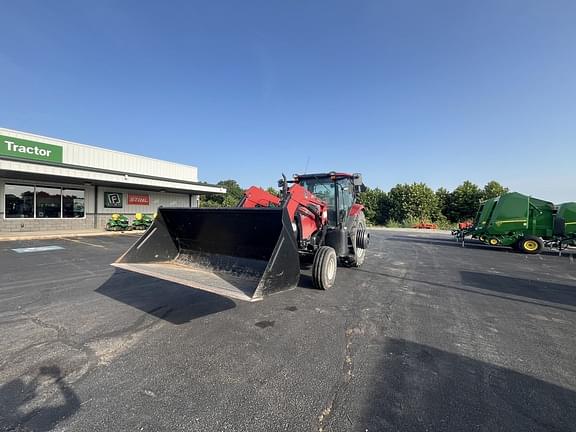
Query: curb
[(31, 236)]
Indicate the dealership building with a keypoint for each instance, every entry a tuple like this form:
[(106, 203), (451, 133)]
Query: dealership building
[(51, 184)]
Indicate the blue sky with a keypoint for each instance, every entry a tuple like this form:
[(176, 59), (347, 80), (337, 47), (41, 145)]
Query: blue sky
[(434, 91)]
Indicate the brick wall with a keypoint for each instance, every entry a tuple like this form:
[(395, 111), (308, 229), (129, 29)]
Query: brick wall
[(103, 214), (26, 224)]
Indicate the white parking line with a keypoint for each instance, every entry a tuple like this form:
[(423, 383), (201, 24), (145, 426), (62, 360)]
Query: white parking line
[(37, 249), (83, 242)]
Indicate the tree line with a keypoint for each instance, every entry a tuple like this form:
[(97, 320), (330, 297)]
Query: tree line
[(403, 205), (406, 204)]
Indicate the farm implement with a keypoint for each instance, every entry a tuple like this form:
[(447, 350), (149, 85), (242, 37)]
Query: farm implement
[(523, 223)]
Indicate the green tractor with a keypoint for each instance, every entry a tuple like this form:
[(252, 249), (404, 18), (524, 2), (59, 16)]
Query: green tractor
[(142, 221), (118, 222), (522, 222)]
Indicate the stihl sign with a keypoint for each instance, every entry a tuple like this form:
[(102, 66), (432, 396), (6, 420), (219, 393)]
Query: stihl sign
[(138, 199)]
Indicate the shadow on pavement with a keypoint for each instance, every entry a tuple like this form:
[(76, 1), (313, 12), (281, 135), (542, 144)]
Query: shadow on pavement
[(470, 244), (418, 388), (16, 395), (471, 290), (534, 289), (306, 282), (166, 300), (475, 244)]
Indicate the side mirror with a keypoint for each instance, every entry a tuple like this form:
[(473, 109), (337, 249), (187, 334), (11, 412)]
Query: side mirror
[(358, 180)]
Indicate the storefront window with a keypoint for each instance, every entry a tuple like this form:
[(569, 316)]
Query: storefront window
[(48, 202), (72, 203), (19, 201)]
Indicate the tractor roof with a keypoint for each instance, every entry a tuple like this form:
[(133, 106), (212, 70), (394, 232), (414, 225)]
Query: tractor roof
[(330, 174)]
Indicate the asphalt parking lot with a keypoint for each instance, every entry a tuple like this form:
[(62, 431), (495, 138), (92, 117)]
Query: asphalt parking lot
[(426, 336)]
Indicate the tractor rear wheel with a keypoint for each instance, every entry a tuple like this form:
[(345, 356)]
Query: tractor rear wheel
[(362, 241), (324, 268), (530, 245)]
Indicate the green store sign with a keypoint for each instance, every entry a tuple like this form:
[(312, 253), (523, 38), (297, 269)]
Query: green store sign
[(24, 149)]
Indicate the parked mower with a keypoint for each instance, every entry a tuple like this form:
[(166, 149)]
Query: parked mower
[(253, 250), (522, 222), (118, 222), (142, 221)]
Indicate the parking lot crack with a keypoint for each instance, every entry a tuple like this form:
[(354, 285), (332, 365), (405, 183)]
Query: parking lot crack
[(345, 376), (65, 337)]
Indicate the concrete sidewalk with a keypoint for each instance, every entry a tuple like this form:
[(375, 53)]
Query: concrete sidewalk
[(44, 235)]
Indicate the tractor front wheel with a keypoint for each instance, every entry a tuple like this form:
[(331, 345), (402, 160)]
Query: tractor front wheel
[(324, 268), (530, 245)]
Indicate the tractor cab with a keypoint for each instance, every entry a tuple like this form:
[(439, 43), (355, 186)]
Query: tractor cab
[(338, 190)]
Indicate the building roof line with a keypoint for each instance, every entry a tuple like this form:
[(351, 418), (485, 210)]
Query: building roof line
[(44, 138), (108, 171)]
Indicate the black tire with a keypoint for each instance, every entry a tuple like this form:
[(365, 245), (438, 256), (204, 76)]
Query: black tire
[(324, 268), (531, 245), (362, 239)]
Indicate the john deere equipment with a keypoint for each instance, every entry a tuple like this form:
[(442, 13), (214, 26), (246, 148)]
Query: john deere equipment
[(118, 222), (564, 226), (522, 222), (253, 250), (142, 221)]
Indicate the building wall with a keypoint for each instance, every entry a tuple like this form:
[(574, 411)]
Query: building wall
[(167, 183), (100, 158), (92, 219), (47, 224)]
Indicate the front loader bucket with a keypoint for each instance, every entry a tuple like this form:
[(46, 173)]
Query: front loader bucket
[(242, 253)]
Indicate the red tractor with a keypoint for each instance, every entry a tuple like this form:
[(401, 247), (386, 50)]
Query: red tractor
[(254, 249)]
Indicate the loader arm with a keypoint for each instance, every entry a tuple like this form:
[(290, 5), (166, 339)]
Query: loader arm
[(305, 210), (258, 197)]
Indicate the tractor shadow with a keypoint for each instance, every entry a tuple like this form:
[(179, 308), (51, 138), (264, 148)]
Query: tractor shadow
[(417, 387), (552, 292), (305, 280), (168, 301), (469, 244), (503, 287), (475, 244)]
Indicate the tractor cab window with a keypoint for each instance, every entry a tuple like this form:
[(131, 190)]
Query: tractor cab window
[(345, 198), (322, 188), (327, 189)]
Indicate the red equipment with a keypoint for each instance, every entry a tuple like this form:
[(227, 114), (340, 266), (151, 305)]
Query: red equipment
[(425, 225), (253, 250)]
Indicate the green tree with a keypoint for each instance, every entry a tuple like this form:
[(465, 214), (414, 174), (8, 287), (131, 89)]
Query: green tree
[(464, 202), (443, 197), (375, 205), (231, 198), (273, 191), (493, 189), (414, 201)]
